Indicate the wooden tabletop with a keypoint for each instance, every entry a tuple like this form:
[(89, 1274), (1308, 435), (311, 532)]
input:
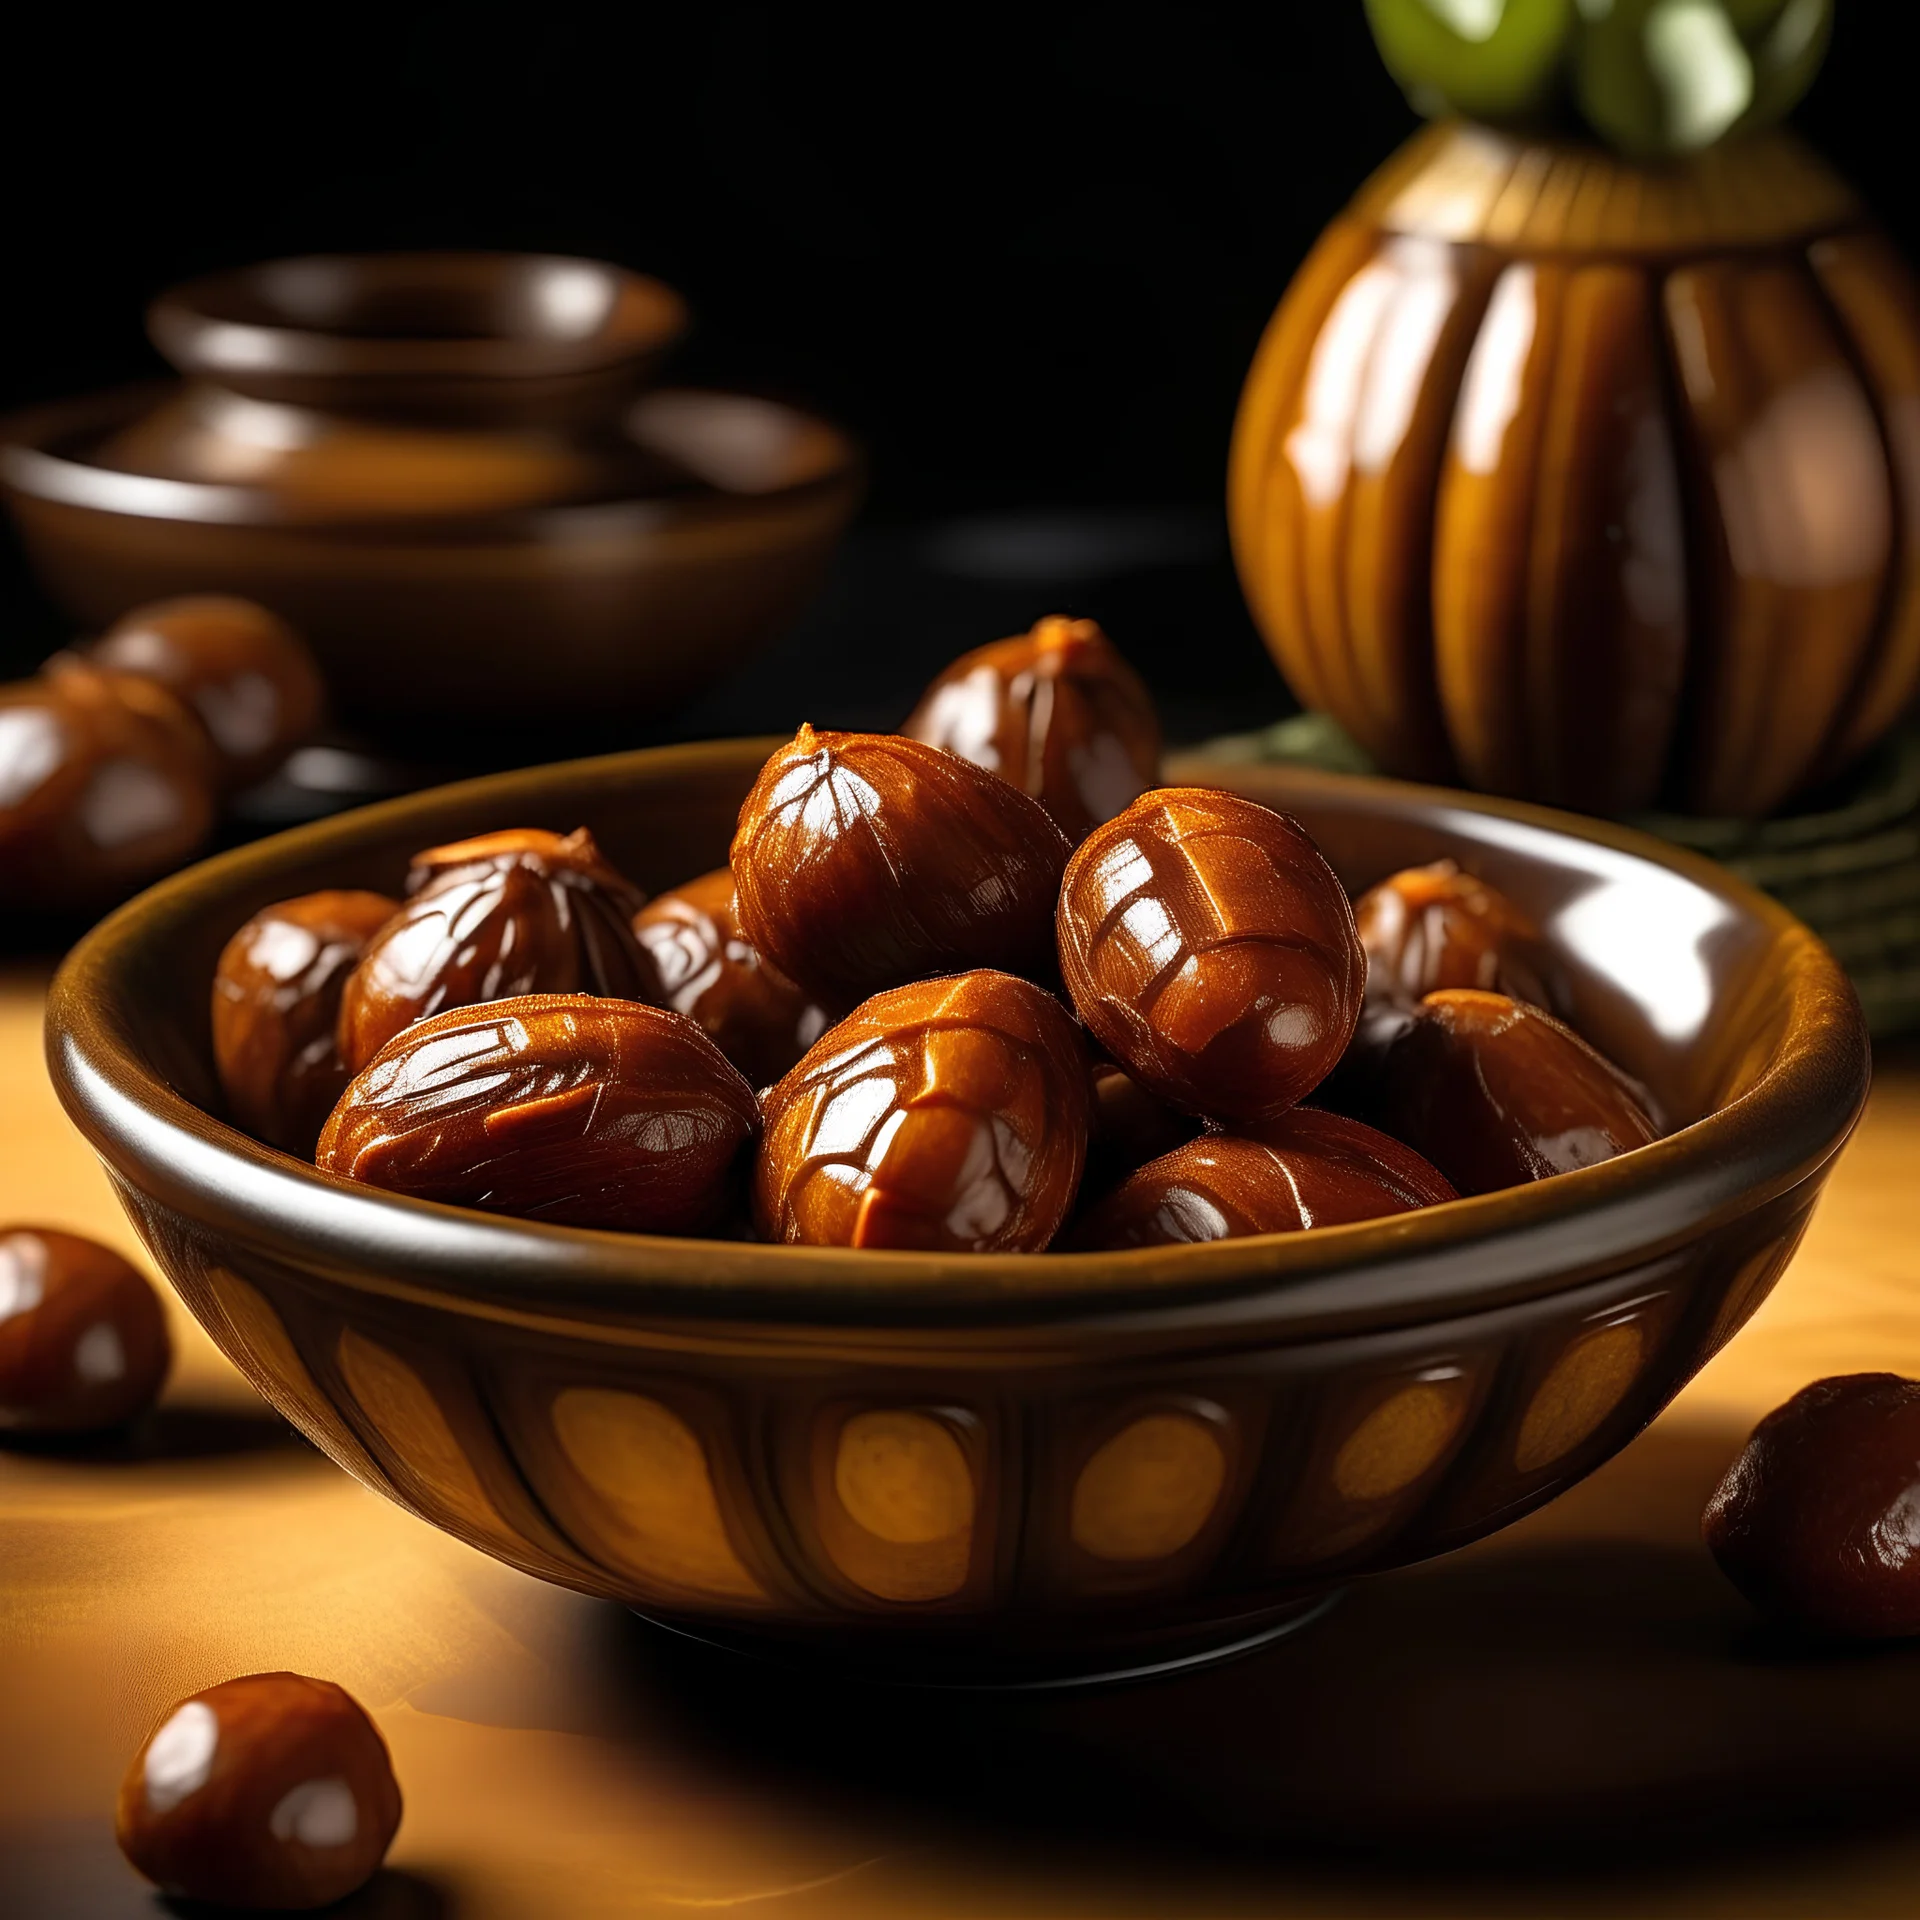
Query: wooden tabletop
[(1575, 1717)]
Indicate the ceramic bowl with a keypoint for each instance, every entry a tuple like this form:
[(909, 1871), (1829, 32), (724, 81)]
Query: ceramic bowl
[(1023, 1469), (431, 576), (476, 336)]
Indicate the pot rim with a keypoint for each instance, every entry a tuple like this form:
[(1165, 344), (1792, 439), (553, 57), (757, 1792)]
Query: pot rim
[(1777, 1135), (33, 467), (209, 326)]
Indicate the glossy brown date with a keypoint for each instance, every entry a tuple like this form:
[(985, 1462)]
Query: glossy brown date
[(83, 1338), (565, 1107), (705, 967), (1496, 1093), (276, 1002), (510, 913), (949, 1115), (272, 1791), (1818, 1520), (1212, 952), (241, 670), (106, 782), (1055, 711), (1429, 928), (865, 860), (1304, 1169)]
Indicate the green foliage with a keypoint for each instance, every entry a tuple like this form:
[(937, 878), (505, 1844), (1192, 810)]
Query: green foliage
[(1497, 60), (1653, 78)]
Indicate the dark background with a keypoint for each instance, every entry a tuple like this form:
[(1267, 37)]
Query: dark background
[(1025, 252)]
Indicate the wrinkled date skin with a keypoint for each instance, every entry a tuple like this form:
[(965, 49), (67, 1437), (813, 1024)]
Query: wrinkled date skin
[(1212, 952), (704, 967), (1429, 928), (1057, 712), (563, 1107), (1126, 1127), (1496, 1093), (509, 913), (865, 860), (273, 1791), (1304, 1169), (242, 671), (949, 1116), (276, 1002), (83, 1338), (1815, 1521), (106, 783)]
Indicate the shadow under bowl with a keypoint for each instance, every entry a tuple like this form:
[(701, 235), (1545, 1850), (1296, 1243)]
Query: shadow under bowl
[(632, 603), (1006, 1467)]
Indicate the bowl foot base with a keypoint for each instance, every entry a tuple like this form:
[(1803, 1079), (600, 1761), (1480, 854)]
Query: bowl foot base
[(987, 1669)]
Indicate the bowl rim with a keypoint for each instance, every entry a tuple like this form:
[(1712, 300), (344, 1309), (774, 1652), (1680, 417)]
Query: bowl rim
[(1778, 1134), (644, 317), (31, 467)]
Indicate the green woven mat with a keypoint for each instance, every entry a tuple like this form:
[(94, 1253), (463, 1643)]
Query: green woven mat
[(1849, 866)]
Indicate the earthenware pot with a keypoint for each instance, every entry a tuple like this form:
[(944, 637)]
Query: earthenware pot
[(1589, 480)]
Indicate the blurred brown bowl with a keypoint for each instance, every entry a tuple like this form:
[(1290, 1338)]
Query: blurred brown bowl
[(478, 336), (1023, 1467), (614, 606)]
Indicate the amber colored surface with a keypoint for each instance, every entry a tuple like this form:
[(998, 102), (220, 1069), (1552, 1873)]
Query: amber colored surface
[(1335, 517), (1301, 1169), (1790, 472), (1432, 927), (276, 1003), (1814, 1522), (1495, 1092), (83, 1339), (246, 675), (1874, 292), (272, 1790), (949, 1116), (1056, 711), (1469, 183), (513, 912), (862, 860), (659, 1420), (1460, 1737), (1211, 950), (567, 1107), (1559, 582), (105, 782), (1590, 481), (703, 966)]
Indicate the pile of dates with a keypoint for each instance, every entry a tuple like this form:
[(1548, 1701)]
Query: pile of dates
[(116, 758), (999, 990)]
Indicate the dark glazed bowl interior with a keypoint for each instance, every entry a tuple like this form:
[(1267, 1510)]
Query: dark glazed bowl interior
[(405, 328), (1535, 1330)]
